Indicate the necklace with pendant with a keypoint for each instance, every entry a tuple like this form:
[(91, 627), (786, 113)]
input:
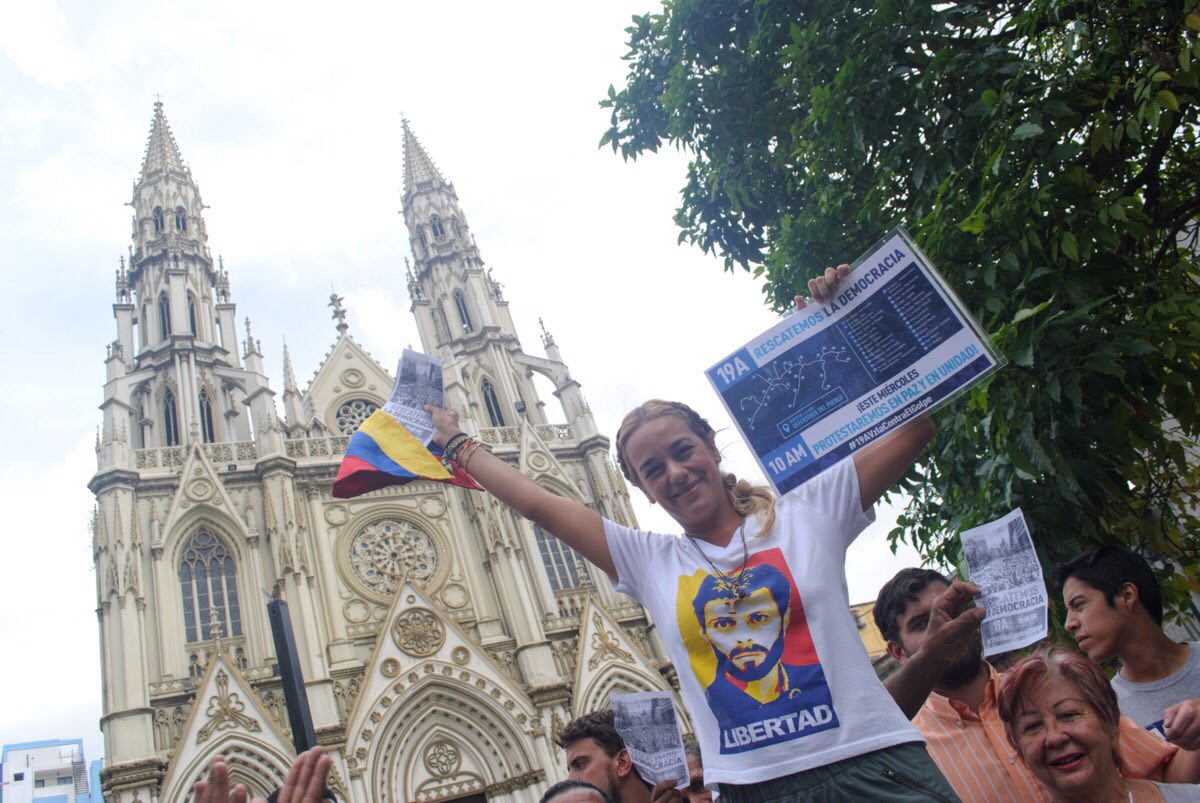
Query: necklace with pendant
[(733, 583)]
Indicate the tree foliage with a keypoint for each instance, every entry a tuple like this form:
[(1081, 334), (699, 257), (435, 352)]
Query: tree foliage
[(1042, 153)]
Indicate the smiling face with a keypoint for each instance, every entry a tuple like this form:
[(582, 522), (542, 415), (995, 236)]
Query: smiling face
[(746, 632), (677, 468), (1096, 623), (1063, 741)]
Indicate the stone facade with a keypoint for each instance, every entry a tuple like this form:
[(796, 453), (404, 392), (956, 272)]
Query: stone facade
[(443, 639)]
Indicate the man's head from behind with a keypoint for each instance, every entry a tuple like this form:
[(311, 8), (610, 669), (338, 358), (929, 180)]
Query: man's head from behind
[(596, 753), (902, 614), (1106, 590), (575, 792)]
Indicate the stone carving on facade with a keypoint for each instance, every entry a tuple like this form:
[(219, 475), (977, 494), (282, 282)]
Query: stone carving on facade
[(273, 702), (345, 692), (132, 577), (162, 729), (556, 727), (565, 652), (224, 711), (640, 636), (521, 781), (418, 632), (442, 759), (605, 644), (507, 662), (387, 550)]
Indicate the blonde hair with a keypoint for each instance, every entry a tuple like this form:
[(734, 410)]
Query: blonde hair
[(746, 497)]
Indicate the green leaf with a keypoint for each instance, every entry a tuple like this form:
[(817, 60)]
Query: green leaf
[(1069, 247), (1192, 21), (1026, 313), (1166, 97), (989, 97), (974, 223), (1160, 76), (1023, 355), (1027, 131)]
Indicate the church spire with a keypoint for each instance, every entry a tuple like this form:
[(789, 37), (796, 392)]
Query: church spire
[(162, 152), (419, 170), (289, 376)]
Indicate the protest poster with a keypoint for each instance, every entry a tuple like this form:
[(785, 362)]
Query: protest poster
[(647, 724), (831, 378), (1001, 560), (418, 383)]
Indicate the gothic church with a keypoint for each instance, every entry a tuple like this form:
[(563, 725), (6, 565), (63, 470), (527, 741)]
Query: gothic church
[(443, 640)]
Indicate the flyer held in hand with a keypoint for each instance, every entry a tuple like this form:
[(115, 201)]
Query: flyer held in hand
[(383, 451), (831, 378)]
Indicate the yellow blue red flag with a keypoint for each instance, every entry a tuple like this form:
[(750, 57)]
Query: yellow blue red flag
[(382, 453)]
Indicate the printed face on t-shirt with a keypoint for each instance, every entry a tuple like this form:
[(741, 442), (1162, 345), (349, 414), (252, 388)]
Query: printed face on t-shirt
[(746, 632), (750, 647)]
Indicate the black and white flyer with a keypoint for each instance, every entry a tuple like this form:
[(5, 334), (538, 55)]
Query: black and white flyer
[(647, 724), (831, 378), (418, 383), (1001, 560)]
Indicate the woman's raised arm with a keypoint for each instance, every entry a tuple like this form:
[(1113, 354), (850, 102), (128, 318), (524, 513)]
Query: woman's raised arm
[(884, 462), (576, 525)]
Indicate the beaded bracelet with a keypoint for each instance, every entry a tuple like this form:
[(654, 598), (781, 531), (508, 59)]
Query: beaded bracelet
[(455, 443), (468, 452), (456, 451)]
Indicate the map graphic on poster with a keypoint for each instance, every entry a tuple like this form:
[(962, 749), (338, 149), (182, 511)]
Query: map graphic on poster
[(829, 379)]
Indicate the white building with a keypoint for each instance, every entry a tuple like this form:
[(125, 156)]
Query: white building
[(443, 639), (51, 771)]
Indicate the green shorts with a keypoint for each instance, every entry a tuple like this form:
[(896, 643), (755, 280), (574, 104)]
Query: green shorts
[(903, 773)]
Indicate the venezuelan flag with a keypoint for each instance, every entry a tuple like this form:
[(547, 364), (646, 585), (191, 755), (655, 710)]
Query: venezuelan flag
[(382, 453)]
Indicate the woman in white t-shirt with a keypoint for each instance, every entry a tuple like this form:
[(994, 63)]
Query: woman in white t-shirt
[(750, 601)]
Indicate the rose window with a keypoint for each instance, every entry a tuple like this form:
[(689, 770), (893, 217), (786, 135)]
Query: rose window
[(353, 413), (386, 550)]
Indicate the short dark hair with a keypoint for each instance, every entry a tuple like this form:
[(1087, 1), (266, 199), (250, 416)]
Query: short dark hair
[(896, 595), (566, 786), (1107, 568), (598, 725)]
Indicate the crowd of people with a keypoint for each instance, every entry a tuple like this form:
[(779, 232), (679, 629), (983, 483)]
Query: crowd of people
[(751, 604)]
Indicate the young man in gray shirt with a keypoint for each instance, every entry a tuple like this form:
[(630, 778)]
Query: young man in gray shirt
[(1114, 610)]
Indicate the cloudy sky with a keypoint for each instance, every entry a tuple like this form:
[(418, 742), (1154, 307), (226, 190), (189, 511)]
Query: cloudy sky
[(289, 115)]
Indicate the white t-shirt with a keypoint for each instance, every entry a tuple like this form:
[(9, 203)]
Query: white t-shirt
[(819, 699)]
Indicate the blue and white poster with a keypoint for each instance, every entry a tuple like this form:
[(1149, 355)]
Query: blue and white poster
[(829, 379)]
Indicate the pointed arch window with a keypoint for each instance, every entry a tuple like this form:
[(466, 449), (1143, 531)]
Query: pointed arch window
[(180, 219), (191, 313), (564, 566), (460, 303), (160, 222), (170, 419), (207, 431), (495, 414), (435, 226), (164, 316), (208, 586)]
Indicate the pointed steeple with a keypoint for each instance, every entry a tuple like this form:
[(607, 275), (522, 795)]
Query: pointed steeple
[(162, 152), (419, 170), (289, 376)]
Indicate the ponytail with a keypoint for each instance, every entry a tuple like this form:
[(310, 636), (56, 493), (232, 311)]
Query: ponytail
[(748, 499)]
